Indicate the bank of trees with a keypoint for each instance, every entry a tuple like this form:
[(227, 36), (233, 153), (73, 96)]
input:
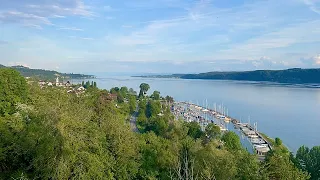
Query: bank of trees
[(50, 134), (309, 160)]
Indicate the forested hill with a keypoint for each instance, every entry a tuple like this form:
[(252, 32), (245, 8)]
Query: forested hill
[(46, 74), (294, 76)]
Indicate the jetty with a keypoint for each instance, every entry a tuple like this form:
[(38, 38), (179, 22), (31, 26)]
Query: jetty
[(219, 115)]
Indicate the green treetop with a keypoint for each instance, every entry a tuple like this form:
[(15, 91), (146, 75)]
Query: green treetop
[(144, 87), (13, 90)]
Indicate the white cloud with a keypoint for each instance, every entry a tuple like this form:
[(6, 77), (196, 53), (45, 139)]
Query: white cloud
[(39, 12), (313, 5), (87, 38), (317, 59), (57, 16), (253, 48), (33, 26), (81, 38), (71, 28)]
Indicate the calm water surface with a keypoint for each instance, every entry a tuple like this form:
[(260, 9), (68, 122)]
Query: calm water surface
[(291, 113)]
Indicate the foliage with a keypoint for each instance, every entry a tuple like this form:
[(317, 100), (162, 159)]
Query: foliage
[(13, 90), (169, 99), (194, 130), (155, 95), (51, 134), (132, 92), (132, 103), (144, 87), (213, 163), (158, 155), (309, 160), (212, 131), (124, 91), (232, 141), (278, 141), (279, 166)]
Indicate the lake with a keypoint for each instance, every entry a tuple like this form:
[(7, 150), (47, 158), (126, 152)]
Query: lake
[(291, 113)]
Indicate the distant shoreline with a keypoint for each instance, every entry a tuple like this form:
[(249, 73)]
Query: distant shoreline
[(305, 85), (296, 76)]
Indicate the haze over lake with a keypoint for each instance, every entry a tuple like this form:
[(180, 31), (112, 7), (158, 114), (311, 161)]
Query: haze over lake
[(289, 112)]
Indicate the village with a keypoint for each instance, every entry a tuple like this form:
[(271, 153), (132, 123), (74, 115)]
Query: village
[(70, 88)]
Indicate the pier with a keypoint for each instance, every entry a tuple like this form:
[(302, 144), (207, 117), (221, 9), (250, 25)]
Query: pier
[(219, 116)]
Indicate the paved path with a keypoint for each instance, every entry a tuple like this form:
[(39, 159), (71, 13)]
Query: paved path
[(133, 120)]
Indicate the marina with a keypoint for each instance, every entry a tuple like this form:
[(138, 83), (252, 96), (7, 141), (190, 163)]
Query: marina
[(190, 112)]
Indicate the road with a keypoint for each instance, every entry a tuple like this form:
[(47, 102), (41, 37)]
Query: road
[(133, 120)]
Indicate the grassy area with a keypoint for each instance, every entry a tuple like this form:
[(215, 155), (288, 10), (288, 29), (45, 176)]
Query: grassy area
[(275, 147)]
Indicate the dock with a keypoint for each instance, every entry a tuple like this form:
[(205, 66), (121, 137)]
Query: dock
[(203, 115)]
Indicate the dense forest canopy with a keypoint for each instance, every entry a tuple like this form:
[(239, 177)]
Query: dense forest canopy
[(291, 76), (50, 134), (42, 74)]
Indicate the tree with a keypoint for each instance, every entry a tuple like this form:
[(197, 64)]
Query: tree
[(144, 87), (194, 130), (169, 99), (124, 90), (153, 108), (87, 85), (13, 90), (114, 90), (247, 166), (94, 84), (155, 95), (212, 131), (309, 160), (279, 166), (132, 103), (232, 141), (132, 92), (278, 141), (82, 83), (212, 163), (158, 156), (120, 98)]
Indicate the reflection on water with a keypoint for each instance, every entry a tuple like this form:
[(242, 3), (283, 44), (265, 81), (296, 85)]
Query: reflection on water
[(290, 112)]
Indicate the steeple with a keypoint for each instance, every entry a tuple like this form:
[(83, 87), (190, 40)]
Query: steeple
[(57, 81)]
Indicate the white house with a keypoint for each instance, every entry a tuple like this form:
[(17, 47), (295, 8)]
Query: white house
[(81, 88), (42, 83)]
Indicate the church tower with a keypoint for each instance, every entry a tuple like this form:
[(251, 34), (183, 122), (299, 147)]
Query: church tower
[(57, 81)]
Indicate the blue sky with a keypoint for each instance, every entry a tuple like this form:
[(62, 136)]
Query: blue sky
[(160, 36)]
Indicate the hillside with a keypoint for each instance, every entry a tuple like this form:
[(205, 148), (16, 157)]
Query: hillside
[(292, 76), (47, 74), (47, 133)]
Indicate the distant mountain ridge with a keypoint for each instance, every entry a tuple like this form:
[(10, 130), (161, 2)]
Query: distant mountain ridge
[(292, 76), (46, 74)]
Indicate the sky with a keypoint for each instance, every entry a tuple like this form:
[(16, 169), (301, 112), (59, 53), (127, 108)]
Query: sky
[(160, 36)]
